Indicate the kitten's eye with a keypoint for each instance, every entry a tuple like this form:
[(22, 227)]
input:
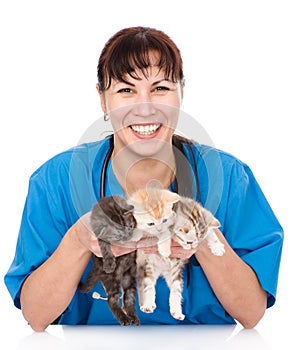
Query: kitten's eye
[(164, 220), (150, 223), (130, 227)]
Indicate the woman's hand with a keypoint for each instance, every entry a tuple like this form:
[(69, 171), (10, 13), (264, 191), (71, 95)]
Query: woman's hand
[(149, 246), (177, 251), (88, 239)]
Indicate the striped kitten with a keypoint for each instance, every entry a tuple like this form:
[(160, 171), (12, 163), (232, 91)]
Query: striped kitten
[(194, 224), (153, 211), (113, 222), (188, 227)]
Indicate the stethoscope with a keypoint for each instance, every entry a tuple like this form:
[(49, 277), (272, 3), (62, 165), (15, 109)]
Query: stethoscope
[(175, 184), (104, 167)]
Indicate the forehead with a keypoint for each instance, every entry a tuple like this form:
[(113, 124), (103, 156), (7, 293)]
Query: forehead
[(150, 74), (138, 48), (146, 65)]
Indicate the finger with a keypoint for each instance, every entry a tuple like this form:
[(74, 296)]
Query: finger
[(150, 250), (175, 244), (181, 253), (119, 250), (147, 242)]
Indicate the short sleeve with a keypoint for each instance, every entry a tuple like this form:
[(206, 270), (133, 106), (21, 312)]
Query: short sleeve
[(252, 229), (63, 189), (46, 217)]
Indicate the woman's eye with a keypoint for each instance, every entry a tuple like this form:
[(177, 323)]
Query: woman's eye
[(161, 88), (125, 90)]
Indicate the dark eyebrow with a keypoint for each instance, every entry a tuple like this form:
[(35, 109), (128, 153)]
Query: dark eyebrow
[(153, 84), (160, 81), (124, 82)]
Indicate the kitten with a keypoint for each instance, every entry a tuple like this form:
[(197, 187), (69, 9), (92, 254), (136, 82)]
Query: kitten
[(155, 216), (153, 211), (190, 225), (194, 224), (112, 221)]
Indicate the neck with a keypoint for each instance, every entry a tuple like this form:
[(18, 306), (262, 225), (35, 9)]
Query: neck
[(134, 171)]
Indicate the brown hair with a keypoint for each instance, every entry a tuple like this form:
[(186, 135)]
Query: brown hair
[(129, 49)]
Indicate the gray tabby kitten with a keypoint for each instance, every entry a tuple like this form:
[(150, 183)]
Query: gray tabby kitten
[(192, 224), (112, 221)]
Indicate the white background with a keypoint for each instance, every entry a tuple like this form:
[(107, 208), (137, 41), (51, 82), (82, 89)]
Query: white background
[(238, 62)]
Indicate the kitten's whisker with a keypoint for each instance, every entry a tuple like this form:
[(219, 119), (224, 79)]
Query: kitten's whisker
[(179, 238)]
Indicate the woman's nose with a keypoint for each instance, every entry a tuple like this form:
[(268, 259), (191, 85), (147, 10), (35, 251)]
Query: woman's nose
[(144, 109), (143, 104)]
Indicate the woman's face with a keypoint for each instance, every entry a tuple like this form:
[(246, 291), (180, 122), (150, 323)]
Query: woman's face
[(143, 112)]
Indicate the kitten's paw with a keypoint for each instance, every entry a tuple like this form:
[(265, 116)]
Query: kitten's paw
[(109, 266), (132, 315), (135, 320), (178, 315), (137, 235), (148, 309), (217, 248), (165, 252), (125, 320), (164, 248)]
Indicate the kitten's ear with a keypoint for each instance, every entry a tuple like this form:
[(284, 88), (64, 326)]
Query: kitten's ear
[(128, 209), (171, 197), (210, 219)]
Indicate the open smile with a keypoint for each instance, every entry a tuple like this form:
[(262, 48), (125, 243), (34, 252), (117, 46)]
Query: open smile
[(145, 129)]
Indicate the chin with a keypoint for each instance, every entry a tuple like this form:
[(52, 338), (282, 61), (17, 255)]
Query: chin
[(147, 148)]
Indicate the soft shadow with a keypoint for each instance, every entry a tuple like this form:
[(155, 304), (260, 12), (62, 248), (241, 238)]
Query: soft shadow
[(196, 337), (41, 341), (247, 339), (147, 337)]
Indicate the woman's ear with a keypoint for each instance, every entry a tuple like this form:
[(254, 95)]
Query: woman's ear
[(102, 99), (182, 91)]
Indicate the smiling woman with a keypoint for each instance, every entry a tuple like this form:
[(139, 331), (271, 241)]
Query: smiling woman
[(141, 108), (140, 81), (140, 85)]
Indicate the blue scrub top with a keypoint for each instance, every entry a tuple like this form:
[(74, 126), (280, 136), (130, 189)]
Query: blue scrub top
[(68, 185)]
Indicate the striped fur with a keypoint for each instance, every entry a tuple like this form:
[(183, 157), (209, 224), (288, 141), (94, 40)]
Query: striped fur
[(153, 211), (194, 224), (155, 215), (191, 224)]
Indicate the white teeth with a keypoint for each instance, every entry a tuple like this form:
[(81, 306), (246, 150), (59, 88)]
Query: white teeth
[(145, 129)]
